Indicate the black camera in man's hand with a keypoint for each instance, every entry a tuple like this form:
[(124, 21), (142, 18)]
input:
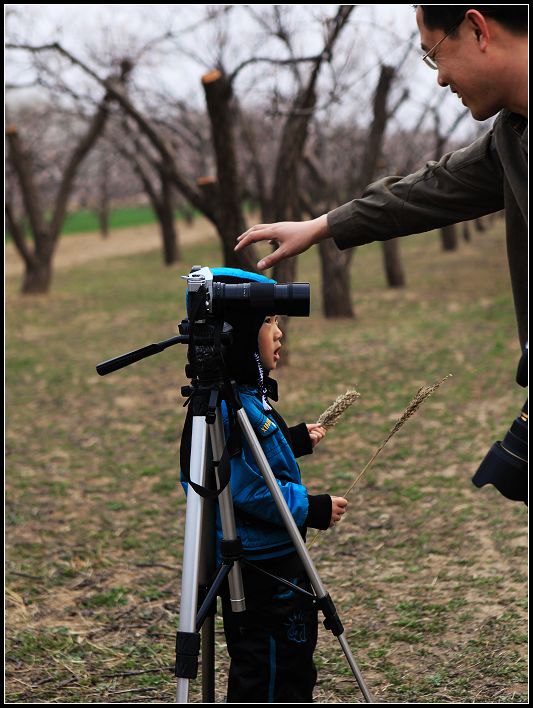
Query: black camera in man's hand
[(506, 466)]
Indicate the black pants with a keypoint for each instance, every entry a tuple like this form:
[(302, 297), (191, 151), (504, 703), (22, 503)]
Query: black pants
[(271, 644)]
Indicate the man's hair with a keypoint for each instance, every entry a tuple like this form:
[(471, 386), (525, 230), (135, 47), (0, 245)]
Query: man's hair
[(513, 17)]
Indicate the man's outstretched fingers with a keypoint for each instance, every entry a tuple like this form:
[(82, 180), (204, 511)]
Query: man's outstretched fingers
[(259, 232), (271, 260)]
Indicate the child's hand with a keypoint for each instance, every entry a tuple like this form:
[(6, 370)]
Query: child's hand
[(316, 433), (338, 509)]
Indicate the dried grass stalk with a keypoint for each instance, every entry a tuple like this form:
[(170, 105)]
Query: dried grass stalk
[(330, 417), (419, 398)]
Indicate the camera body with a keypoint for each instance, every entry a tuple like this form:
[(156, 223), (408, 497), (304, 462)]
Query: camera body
[(506, 464)]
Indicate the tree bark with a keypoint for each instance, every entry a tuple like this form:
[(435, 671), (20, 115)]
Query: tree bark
[(103, 198), (394, 271), (165, 212), (37, 277), (231, 223), (480, 224), (448, 237), (380, 119), (336, 286)]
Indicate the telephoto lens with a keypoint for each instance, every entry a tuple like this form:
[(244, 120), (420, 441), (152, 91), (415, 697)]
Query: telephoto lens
[(268, 298)]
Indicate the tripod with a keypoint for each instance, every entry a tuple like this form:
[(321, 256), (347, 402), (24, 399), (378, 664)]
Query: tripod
[(207, 425), (206, 333)]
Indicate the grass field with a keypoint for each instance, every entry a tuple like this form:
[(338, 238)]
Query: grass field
[(86, 220), (428, 573)]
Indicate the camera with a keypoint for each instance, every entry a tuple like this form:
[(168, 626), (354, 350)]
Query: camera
[(506, 464), (209, 303), (217, 298)]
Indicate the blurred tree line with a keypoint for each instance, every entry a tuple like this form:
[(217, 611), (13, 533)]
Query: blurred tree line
[(277, 130)]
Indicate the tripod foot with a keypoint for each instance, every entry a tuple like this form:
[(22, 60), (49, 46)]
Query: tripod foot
[(187, 652)]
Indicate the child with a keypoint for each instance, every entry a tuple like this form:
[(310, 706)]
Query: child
[(271, 644)]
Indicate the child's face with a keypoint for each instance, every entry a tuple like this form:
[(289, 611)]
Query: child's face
[(269, 341)]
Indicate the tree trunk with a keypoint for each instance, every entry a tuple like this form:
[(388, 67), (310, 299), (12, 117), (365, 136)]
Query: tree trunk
[(103, 204), (480, 224), (165, 215), (448, 237), (37, 277), (335, 272), (103, 219), (171, 251), (170, 241), (219, 98), (393, 264)]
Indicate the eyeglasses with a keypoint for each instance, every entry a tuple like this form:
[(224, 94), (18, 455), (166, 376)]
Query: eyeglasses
[(429, 60)]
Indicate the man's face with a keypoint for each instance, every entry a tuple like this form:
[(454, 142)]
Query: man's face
[(269, 341), (462, 66)]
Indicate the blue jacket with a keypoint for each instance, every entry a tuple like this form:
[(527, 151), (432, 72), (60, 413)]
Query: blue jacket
[(259, 523)]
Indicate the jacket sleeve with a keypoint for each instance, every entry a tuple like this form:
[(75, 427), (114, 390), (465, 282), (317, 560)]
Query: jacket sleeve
[(464, 184), (300, 441), (319, 516)]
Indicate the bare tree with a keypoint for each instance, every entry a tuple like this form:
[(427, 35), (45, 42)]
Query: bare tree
[(335, 264), (45, 231), (154, 176), (156, 137), (286, 189), (448, 234)]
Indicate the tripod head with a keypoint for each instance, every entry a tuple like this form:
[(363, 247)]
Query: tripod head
[(202, 333)]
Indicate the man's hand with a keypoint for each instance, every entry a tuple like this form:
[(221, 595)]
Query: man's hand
[(338, 509), (291, 237)]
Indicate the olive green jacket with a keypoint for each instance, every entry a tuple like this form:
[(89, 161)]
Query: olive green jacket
[(485, 177)]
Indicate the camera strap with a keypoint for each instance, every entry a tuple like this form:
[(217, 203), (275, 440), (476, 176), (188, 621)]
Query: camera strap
[(222, 467)]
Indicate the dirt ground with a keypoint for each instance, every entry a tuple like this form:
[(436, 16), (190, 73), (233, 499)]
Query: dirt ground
[(78, 249), (428, 573)]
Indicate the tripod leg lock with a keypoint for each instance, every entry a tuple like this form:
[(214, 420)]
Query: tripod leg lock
[(332, 620), (231, 551), (187, 653)]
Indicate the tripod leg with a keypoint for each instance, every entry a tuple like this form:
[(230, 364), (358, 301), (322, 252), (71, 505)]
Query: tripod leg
[(227, 517), (324, 600), (207, 568), (187, 638)]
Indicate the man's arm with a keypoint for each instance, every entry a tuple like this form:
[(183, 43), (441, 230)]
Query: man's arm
[(462, 185)]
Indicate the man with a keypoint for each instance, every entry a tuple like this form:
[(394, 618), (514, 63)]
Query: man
[(481, 53)]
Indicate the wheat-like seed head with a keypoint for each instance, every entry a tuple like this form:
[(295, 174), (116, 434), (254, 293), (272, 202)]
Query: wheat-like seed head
[(419, 398), (330, 417)]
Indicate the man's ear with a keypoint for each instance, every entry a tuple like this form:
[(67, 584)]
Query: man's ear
[(478, 25)]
